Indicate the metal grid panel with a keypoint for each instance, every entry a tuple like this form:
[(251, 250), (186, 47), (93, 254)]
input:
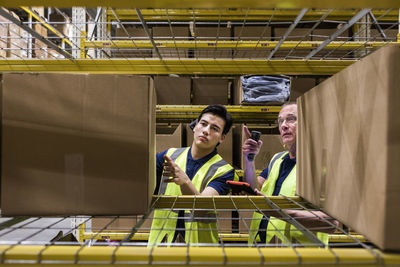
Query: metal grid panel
[(199, 41), (123, 240)]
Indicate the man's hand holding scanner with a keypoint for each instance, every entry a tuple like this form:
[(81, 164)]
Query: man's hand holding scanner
[(250, 146)]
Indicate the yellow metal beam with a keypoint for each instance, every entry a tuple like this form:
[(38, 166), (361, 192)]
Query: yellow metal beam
[(240, 44), (46, 25), (240, 14), (234, 237), (240, 114), (37, 255), (206, 3), (176, 66)]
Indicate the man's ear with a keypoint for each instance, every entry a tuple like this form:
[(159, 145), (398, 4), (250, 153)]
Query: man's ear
[(193, 124), (222, 138)]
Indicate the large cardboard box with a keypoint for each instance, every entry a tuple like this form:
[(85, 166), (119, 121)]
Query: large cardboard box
[(3, 37), (172, 90), (296, 34), (212, 35), (300, 85), (121, 224), (171, 34), (324, 34), (224, 149), (207, 91), (349, 147), (14, 38), (77, 144), (255, 34), (40, 48), (131, 33)]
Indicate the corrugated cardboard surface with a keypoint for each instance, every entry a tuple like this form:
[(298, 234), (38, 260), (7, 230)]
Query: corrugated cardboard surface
[(210, 91), (299, 86), (349, 147), (172, 90), (123, 224), (168, 137), (171, 33), (77, 144), (295, 35), (213, 34), (224, 149), (252, 33), (133, 33)]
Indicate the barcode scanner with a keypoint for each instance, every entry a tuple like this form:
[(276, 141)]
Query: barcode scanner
[(255, 135)]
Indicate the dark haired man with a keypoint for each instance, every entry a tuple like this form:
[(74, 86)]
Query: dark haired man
[(194, 170)]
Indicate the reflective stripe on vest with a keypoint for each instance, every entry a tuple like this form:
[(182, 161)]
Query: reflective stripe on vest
[(173, 154), (284, 231), (197, 230)]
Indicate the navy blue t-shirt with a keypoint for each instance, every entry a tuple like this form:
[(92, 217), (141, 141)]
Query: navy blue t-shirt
[(192, 166), (286, 167)]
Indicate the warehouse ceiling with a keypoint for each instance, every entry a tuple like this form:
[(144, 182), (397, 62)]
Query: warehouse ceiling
[(299, 41)]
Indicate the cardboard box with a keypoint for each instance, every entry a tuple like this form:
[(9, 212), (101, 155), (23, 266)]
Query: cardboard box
[(58, 21), (252, 33), (3, 37), (77, 144), (224, 221), (324, 34), (40, 48), (210, 91), (300, 85), (224, 149), (172, 90), (171, 34), (121, 224), (168, 136), (348, 147), (14, 35), (134, 33), (391, 34), (212, 34), (296, 34), (245, 218)]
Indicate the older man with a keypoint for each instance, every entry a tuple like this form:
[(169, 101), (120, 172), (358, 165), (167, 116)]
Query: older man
[(279, 178)]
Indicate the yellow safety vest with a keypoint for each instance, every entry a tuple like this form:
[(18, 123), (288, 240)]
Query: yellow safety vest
[(198, 228), (283, 230)]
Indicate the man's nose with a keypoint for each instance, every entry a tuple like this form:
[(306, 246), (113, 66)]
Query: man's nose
[(284, 125), (206, 129)]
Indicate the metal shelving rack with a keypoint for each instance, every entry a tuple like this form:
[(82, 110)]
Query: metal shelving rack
[(105, 246), (91, 46)]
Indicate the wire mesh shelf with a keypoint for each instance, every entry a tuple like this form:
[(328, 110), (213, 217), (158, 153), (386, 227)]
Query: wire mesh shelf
[(110, 240)]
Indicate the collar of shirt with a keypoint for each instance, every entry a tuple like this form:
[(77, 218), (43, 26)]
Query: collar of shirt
[(287, 157), (193, 165)]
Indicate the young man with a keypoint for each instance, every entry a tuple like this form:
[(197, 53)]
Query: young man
[(279, 178), (195, 170)]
